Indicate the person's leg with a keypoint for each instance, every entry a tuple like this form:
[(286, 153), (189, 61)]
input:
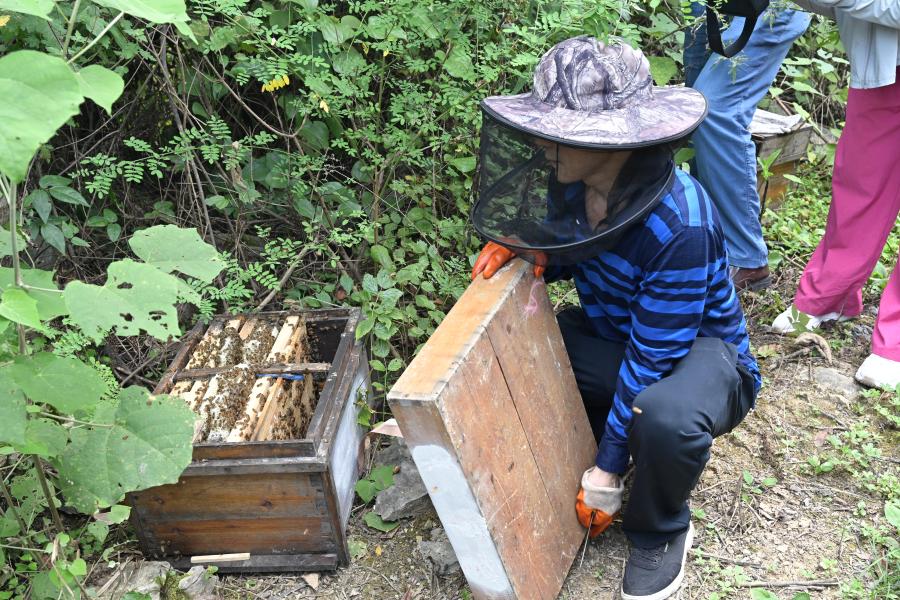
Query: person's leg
[(674, 424), (595, 362), (696, 46), (865, 203), (725, 154), (886, 337)]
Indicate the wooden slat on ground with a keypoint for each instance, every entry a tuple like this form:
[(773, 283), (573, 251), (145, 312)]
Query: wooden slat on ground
[(495, 423)]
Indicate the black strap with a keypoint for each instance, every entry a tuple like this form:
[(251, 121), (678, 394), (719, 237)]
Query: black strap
[(715, 35)]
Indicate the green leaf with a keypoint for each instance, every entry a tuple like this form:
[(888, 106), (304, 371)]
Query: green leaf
[(315, 134), (148, 444), (800, 596), (53, 235), (13, 417), (117, 514), (99, 531), (78, 567), (364, 327), (335, 31), (663, 69), (748, 477), (758, 594), (44, 437), (113, 231), (49, 304), (459, 63), (465, 164), (6, 242), (892, 514), (101, 85), (135, 298), (381, 256), (171, 248), (53, 181), (366, 490), (41, 203), (376, 522), (382, 476), (68, 195), (46, 95), (38, 8), (47, 378), (395, 365), (17, 306), (155, 11)]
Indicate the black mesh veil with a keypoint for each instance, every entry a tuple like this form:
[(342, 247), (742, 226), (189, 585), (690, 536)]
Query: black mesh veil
[(559, 204)]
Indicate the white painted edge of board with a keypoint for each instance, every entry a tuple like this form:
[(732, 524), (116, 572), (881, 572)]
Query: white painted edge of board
[(463, 522)]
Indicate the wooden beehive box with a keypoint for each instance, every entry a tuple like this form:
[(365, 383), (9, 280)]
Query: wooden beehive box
[(787, 136), (495, 423), (272, 488)]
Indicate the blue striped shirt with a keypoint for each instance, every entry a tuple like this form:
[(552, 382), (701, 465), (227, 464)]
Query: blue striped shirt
[(664, 284)]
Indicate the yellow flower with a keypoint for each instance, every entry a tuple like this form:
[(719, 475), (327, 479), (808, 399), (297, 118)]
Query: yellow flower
[(4, 19), (276, 84), (323, 105)]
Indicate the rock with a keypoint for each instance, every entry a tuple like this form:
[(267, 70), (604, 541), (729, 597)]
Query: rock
[(406, 498), (394, 453), (835, 381), (440, 553), (199, 585), (144, 578)]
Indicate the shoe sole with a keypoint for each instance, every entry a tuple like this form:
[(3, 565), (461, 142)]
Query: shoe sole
[(676, 583)]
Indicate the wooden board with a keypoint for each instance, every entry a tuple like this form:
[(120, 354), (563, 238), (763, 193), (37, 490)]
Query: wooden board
[(495, 423)]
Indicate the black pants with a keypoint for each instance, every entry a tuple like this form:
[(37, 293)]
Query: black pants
[(705, 396)]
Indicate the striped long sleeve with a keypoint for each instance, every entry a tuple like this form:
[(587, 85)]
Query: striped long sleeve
[(666, 314)]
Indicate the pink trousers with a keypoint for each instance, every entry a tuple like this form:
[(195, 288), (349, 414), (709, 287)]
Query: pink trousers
[(864, 208)]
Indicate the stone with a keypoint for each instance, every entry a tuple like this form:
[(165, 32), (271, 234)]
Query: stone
[(406, 498), (440, 553), (199, 585), (834, 381), (393, 454), (145, 578)]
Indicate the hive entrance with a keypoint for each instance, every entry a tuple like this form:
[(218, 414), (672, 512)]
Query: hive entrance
[(249, 379)]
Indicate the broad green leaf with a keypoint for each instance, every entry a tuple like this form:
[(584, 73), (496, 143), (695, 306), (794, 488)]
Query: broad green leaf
[(54, 236), (335, 31), (46, 95), (315, 135), (758, 594), (135, 298), (67, 195), (48, 181), (459, 63), (8, 525), (382, 476), (464, 164), (663, 69), (99, 530), (155, 11), (49, 304), (364, 327), (381, 256), (78, 567), (171, 248), (43, 587), (17, 306), (147, 442), (376, 522), (101, 85), (6, 242), (47, 378), (38, 8), (13, 417), (117, 514), (44, 437), (113, 231), (40, 201), (892, 514), (366, 490)]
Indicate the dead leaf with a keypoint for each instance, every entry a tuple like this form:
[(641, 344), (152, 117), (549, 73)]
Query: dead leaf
[(389, 427), (807, 338), (312, 580), (378, 550), (819, 439)]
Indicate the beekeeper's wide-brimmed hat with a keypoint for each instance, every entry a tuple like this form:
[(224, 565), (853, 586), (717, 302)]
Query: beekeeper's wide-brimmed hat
[(599, 95)]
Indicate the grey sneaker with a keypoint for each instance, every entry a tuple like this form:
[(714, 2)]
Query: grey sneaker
[(656, 573)]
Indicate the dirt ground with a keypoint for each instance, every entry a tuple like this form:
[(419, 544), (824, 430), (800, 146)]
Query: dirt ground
[(763, 518)]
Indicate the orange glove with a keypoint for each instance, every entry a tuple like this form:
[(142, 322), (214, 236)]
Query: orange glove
[(493, 256), (595, 506)]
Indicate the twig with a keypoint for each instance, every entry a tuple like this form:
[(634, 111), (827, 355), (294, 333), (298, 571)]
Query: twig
[(382, 575), (9, 502), (809, 583), (51, 499), (725, 559)]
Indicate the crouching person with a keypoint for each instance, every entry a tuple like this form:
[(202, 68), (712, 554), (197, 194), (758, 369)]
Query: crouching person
[(578, 177)]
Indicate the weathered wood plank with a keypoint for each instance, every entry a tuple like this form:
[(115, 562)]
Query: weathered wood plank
[(496, 426)]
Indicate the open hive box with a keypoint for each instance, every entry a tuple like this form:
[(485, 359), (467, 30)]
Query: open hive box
[(276, 448)]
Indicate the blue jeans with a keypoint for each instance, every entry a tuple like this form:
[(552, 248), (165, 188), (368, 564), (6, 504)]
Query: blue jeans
[(725, 159)]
